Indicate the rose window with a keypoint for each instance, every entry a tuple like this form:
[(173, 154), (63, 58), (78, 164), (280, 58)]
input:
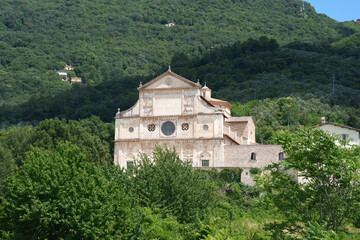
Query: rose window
[(168, 128), (151, 127), (185, 126)]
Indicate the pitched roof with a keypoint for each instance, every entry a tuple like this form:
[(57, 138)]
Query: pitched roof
[(169, 72), (215, 101), (337, 125)]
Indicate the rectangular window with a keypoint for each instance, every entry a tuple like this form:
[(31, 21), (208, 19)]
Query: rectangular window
[(345, 136), (205, 163), (129, 165)]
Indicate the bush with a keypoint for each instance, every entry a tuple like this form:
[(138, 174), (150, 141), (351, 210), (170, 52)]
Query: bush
[(170, 185), (231, 175), (255, 171)]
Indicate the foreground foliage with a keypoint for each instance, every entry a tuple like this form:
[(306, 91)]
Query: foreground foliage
[(53, 187), (328, 172), (92, 136), (175, 187), (316, 231), (59, 194)]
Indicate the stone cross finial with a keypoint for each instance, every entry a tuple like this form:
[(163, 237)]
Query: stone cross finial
[(118, 110), (169, 68), (140, 85)]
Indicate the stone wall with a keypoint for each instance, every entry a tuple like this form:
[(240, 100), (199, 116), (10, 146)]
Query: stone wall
[(240, 156), (192, 150)]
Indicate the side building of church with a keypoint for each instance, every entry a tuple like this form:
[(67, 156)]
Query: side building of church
[(175, 112)]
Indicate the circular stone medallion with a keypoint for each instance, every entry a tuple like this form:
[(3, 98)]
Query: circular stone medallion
[(168, 81)]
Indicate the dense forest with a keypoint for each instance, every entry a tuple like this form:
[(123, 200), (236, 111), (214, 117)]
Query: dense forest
[(107, 40), (258, 69)]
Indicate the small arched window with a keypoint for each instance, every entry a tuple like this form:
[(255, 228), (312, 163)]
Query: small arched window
[(281, 156), (253, 156)]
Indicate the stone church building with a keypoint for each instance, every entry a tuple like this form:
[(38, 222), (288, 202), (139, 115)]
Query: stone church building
[(175, 112)]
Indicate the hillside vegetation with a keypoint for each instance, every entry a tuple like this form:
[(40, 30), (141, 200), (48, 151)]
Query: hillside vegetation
[(106, 40), (259, 71)]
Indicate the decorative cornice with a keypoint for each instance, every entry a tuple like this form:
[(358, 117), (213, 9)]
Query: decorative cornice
[(173, 116), (166, 139), (167, 89), (169, 72)]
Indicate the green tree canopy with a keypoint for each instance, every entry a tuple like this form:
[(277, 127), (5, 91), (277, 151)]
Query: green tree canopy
[(329, 182), (60, 195), (168, 183)]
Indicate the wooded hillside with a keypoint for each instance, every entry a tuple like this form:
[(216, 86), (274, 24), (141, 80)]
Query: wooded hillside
[(259, 71), (109, 39)]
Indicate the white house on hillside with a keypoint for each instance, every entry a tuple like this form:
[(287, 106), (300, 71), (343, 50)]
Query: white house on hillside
[(63, 75), (69, 68), (346, 133)]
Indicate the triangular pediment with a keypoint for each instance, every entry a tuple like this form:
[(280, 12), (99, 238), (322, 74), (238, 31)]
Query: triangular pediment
[(169, 80)]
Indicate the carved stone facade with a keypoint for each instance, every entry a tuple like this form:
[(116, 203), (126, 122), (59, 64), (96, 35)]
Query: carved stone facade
[(175, 112)]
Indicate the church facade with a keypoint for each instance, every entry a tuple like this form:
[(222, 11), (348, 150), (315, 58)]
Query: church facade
[(175, 112)]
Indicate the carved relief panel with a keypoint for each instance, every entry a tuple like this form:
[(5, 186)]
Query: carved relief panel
[(147, 104), (188, 106)]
